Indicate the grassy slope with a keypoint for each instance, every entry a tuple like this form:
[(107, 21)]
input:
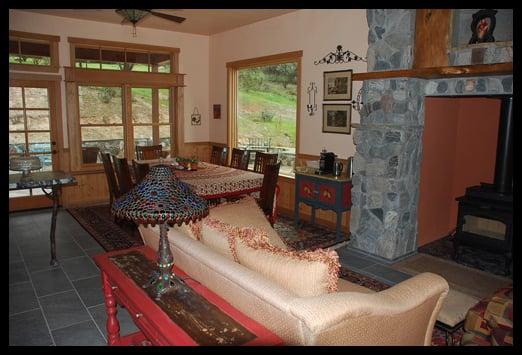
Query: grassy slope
[(273, 98)]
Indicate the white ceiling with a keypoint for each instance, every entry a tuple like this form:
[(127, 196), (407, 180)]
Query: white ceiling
[(198, 21)]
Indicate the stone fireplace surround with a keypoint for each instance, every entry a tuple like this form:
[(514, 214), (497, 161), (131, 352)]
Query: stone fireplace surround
[(385, 194)]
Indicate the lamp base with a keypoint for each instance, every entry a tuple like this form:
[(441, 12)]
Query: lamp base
[(164, 279)]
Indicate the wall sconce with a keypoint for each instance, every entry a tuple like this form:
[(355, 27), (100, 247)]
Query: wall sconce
[(312, 106), (339, 57), (357, 103)]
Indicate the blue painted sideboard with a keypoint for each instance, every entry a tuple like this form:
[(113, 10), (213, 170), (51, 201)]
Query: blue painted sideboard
[(325, 192)]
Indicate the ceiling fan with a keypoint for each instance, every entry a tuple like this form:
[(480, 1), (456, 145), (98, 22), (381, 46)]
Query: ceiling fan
[(136, 15)]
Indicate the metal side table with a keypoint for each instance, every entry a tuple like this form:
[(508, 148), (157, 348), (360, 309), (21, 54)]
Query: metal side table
[(53, 180)]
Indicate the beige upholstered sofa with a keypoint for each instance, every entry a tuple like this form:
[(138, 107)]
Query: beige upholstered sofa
[(404, 314)]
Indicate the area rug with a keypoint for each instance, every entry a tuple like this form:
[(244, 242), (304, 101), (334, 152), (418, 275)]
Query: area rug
[(472, 257), (476, 283), (98, 222), (438, 337), (307, 236)]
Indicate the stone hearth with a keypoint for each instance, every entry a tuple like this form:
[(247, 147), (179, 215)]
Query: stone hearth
[(388, 139)]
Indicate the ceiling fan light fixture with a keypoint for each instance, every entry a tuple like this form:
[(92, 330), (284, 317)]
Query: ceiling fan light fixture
[(133, 15)]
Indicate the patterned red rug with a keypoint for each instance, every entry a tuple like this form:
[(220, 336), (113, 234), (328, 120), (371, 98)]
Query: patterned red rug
[(98, 222)]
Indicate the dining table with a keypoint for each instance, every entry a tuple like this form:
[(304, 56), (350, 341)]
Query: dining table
[(212, 181)]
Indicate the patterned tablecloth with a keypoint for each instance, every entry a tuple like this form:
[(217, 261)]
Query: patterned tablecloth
[(213, 181)]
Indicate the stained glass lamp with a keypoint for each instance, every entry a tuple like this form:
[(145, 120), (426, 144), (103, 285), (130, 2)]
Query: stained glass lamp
[(161, 198)]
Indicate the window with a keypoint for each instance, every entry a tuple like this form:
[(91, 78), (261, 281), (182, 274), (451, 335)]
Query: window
[(101, 122), (120, 103), (106, 55), (30, 128), (265, 92), (33, 52)]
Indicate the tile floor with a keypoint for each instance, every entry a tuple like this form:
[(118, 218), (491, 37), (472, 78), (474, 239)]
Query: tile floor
[(64, 305)]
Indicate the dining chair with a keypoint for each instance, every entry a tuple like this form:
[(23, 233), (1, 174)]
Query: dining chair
[(240, 159), (90, 154), (219, 155), (123, 175), (147, 152), (267, 200), (140, 170), (262, 160), (114, 192)]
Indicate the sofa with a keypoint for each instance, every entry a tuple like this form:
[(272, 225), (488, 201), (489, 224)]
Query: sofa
[(297, 295)]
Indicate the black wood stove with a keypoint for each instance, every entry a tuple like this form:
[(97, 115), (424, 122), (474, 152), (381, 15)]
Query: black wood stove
[(485, 217)]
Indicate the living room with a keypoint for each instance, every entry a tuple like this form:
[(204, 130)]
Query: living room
[(401, 149)]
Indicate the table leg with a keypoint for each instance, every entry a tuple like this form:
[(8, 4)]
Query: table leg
[(55, 195), (338, 226), (313, 215), (113, 325), (296, 214)]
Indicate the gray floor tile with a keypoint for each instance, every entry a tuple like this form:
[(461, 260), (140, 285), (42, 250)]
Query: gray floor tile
[(95, 250), (63, 309), (82, 334), (17, 272), (90, 290), (387, 273), (39, 258), (80, 268), (85, 240), (50, 281), (29, 328), (352, 260), (22, 298), (14, 253), (127, 326)]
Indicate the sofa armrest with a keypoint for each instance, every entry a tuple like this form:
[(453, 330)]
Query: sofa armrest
[(324, 312)]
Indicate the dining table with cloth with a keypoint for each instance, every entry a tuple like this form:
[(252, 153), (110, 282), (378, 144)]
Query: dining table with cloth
[(212, 181)]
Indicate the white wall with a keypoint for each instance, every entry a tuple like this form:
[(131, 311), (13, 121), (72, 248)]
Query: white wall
[(316, 33), (194, 57)]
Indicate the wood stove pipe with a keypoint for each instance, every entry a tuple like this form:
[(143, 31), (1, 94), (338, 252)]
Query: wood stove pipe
[(504, 162)]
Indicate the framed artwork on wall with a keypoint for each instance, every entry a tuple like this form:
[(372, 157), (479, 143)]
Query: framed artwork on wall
[(217, 111), (337, 85), (337, 118)]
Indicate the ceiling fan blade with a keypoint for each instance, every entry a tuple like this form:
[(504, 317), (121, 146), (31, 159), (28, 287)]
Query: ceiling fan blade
[(168, 17)]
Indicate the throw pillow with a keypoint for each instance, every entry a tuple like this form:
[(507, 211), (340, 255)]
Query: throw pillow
[(246, 213), (192, 229), (219, 236), (306, 273)]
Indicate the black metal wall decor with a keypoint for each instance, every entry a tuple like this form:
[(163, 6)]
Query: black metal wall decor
[(482, 26), (312, 106), (339, 57), (357, 103), (195, 118)]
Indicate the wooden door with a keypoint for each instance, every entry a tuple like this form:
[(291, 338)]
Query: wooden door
[(33, 128)]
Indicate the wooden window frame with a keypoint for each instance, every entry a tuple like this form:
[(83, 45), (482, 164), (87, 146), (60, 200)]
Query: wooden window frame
[(102, 44), (232, 88), (75, 77), (53, 44)]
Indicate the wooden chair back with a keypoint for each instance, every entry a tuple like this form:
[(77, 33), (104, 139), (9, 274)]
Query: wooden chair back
[(147, 152), (140, 170), (268, 189), (262, 160), (90, 154), (240, 159), (114, 192), (219, 155), (123, 175)]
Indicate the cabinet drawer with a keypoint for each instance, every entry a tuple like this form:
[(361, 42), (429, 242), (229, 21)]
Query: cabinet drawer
[(327, 194), (307, 189)]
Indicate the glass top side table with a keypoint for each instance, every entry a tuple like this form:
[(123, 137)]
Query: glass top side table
[(53, 180)]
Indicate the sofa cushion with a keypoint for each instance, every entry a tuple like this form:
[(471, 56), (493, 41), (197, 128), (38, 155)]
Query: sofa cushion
[(306, 273), (219, 236), (246, 213)]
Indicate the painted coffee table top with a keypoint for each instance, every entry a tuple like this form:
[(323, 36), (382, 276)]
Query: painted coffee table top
[(40, 179)]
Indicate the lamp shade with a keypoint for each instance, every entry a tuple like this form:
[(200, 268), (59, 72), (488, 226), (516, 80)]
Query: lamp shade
[(160, 198)]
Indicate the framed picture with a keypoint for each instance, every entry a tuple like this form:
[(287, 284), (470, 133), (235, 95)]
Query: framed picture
[(337, 85), (337, 118), (217, 111)]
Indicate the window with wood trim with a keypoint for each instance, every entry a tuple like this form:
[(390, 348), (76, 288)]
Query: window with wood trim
[(33, 52), (117, 111), (263, 101), (108, 55)]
